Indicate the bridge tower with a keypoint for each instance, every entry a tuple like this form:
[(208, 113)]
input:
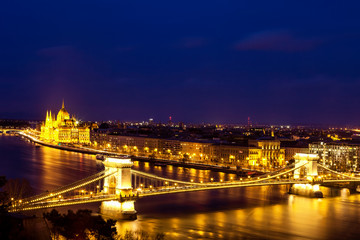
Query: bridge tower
[(310, 161), (119, 183)]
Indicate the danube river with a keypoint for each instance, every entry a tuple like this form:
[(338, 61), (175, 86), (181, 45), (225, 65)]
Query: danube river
[(245, 213)]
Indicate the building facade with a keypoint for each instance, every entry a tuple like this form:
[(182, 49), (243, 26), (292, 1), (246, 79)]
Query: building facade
[(258, 154), (64, 129), (291, 151), (338, 156), (271, 154)]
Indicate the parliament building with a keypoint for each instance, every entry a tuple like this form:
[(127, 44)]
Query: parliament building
[(64, 129)]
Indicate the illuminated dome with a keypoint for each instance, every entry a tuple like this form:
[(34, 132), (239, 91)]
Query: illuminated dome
[(63, 114)]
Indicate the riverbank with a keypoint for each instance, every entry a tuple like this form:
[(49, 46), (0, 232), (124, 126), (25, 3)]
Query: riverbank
[(62, 147), (160, 162), (201, 166)]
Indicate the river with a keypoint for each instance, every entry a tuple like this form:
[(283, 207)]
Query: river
[(244, 213)]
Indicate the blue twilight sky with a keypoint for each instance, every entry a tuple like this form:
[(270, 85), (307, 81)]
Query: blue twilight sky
[(279, 62)]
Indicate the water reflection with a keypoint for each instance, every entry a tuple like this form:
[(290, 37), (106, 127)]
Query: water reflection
[(46, 168)]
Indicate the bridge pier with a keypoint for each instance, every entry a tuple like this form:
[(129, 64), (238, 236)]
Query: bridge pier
[(118, 183), (119, 210)]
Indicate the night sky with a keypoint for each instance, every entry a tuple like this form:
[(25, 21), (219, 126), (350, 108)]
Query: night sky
[(279, 62)]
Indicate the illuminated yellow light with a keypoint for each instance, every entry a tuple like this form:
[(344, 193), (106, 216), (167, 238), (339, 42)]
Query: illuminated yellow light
[(119, 160), (128, 206)]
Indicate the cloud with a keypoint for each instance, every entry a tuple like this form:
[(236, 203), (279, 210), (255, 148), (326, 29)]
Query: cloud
[(192, 42), (276, 41)]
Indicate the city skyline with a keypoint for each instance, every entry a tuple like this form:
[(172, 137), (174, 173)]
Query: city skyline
[(279, 63)]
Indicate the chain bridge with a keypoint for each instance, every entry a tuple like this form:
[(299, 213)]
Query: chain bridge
[(118, 186)]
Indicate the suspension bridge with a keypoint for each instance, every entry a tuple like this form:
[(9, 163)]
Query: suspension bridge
[(118, 186)]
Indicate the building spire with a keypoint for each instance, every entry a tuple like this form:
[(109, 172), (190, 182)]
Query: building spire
[(63, 105)]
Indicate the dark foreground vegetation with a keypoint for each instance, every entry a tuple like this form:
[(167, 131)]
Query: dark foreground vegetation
[(83, 225)]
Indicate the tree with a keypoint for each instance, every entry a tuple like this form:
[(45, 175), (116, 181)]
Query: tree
[(3, 196), (80, 225)]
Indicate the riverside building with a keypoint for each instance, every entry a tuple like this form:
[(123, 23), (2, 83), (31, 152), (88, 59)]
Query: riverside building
[(64, 129), (257, 153), (338, 156)]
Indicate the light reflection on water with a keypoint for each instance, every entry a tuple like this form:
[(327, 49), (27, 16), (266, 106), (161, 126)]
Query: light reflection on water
[(252, 213)]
